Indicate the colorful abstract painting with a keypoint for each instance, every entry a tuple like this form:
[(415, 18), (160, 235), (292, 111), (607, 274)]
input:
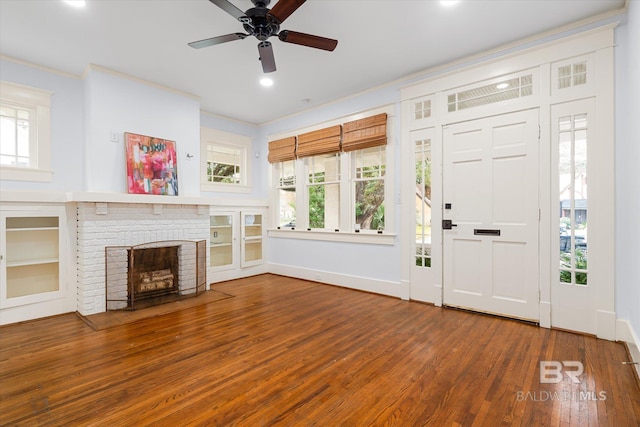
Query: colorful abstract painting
[(151, 165)]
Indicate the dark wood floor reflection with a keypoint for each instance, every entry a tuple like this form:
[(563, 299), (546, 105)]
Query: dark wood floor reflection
[(289, 352)]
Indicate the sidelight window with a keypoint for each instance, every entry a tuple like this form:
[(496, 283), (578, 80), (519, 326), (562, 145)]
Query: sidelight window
[(423, 202), (573, 207)]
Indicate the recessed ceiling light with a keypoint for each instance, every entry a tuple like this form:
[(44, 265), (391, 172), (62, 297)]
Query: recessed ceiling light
[(76, 3), (266, 81), (502, 86), (448, 3)]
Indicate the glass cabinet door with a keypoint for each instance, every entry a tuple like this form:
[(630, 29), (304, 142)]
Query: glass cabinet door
[(251, 238), (221, 240)]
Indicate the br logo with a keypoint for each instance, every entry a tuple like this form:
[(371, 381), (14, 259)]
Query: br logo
[(551, 371)]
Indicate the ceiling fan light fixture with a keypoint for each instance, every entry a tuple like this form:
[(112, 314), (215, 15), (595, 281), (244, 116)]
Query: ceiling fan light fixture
[(76, 3), (266, 81)]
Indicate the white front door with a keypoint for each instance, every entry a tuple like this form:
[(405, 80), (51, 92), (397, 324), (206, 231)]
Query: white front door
[(490, 195)]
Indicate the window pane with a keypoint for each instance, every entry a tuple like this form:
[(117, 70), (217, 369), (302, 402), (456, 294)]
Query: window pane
[(223, 163), (323, 191), (370, 204), (324, 206), (423, 202), (287, 207), (286, 194), (572, 164), (23, 115), (370, 162), (323, 168), (7, 137), (287, 173), (369, 172), (23, 138)]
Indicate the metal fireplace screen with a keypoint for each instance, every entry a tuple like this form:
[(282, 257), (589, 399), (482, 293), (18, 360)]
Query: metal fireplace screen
[(154, 273)]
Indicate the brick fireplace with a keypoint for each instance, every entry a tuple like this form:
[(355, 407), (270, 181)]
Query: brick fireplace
[(128, 225)]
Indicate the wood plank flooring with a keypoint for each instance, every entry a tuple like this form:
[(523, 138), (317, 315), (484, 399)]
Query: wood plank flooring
[(287, 352)]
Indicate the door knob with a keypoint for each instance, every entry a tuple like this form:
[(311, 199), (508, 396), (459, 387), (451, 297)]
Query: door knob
[(447, 224)]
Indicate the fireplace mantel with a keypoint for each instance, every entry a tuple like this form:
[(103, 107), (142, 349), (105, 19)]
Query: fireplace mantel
[(15, 196)]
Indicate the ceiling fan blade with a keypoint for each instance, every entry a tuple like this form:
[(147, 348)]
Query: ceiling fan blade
[(284, 8), (217, 40), (308, 40), (229, 8), (266, 57)]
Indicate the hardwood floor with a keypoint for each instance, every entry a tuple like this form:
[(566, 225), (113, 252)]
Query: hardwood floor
[(289, 352)]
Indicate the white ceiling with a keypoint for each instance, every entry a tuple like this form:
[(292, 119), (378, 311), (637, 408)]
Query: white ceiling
[(379, 41)]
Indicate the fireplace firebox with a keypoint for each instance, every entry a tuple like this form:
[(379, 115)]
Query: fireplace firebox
[(153, 273)]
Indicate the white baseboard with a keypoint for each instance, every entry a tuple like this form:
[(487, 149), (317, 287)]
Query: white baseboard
[(383, 287), (37, 310), (625, 332), (606, 325), (231, 274)]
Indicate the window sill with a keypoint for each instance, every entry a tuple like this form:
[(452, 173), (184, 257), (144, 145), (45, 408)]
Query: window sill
[(225, 188), (371, 238), (10, 173)]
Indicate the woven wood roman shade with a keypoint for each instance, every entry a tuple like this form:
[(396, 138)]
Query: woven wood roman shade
[(282, 150), (365, 133), (323, 141)]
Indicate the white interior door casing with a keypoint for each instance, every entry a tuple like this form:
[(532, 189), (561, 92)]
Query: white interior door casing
[(490, 180)]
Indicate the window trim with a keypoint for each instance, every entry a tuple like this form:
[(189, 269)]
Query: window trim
[(38, 100), (226, 139)]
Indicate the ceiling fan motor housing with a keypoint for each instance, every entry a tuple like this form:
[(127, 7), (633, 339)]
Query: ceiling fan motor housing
[(260, 24)]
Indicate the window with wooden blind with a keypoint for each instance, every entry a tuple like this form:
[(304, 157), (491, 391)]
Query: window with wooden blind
[(323, 141), (365, 133), (342, 179), (282, 150)]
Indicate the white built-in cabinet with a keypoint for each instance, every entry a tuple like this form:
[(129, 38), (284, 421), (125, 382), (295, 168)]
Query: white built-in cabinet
[(33, 258), (236, 243)]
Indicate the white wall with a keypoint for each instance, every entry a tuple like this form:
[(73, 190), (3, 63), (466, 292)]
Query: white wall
[(67, 151), (627, 175), (118, 104)]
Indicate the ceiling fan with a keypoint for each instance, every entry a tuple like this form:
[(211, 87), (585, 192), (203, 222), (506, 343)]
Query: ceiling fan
[(262, 23)]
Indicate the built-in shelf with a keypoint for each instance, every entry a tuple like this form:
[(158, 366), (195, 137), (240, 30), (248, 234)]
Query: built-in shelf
[(22, 263), (31, 272)]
